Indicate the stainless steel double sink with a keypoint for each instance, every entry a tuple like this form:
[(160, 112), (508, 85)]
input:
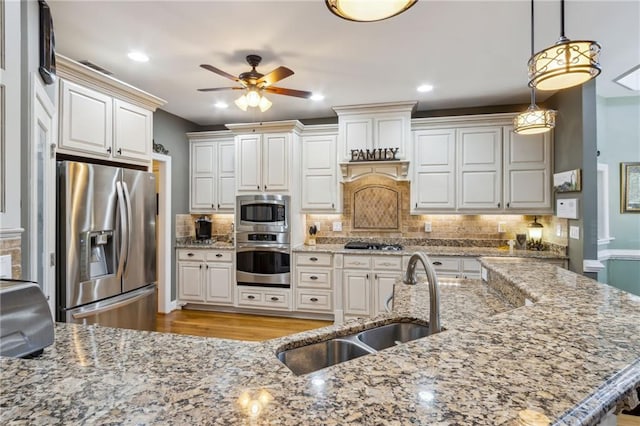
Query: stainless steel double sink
[(316, 356)]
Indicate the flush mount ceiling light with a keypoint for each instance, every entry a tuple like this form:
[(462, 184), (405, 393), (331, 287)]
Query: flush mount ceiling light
[(565, 64), (368, 10), (221, 105), (425, 88), (137, 56), (317, 97), (535, 119)]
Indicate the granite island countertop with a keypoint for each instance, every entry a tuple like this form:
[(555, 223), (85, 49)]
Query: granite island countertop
[(571, 353)]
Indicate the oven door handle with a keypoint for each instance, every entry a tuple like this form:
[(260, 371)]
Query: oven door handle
[(257, 247)]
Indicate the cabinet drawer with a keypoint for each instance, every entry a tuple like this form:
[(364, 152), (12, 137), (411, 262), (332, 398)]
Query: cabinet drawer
[(313, 259), (357, 262), (446, 264), (193, 255), (471, 265), (318, 301), (220, 256), (314, 278), (264, 298), (389, 263)]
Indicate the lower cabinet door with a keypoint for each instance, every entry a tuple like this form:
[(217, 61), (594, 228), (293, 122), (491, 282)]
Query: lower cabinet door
[(357, 293), (190, 286), (219, 283), (384, 289)]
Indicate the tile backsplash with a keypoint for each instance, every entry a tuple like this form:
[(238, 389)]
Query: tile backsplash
[(221, 224), (444, 226), (12, 247)]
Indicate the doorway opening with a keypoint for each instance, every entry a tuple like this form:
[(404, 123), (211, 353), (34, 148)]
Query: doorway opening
[(162, 171)]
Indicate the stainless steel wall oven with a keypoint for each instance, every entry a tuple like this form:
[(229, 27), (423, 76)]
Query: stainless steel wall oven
[(263, 250)]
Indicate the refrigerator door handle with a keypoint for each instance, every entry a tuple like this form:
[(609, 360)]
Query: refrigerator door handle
[(127, 198), (124, 227), (111, 306)]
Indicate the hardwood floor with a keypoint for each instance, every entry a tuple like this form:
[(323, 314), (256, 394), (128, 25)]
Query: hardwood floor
[(232, 326)]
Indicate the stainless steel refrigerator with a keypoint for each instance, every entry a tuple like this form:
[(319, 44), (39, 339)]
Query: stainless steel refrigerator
[(106, 248)]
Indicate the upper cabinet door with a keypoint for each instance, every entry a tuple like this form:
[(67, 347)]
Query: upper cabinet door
[(527, 171), (226, 176), (356, 133), (434, 179), (275, 162), (392, 131), (479, 168), (249, 162), (203, 176), (133, 129), (319, 180), (86, 120)]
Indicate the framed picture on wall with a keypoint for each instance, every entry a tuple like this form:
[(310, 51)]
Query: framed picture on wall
[(47, 44), (630, 187), (569, 181)]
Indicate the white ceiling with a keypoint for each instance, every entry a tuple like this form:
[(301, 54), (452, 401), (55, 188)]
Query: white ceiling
[(474, 52)]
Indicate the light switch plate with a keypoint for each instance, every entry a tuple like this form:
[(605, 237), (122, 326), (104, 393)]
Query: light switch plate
[(317, 225), (427, 227), (574, 232), (337, 226), (501, 227), (5, 266), (558, 230)]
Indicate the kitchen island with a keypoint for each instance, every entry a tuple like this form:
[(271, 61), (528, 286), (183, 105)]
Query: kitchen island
[(537, 338)]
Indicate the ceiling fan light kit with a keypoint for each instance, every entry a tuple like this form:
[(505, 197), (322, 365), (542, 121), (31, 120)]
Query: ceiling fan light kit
[(535, 119), (368, 10), (255, 83), (565, 64)]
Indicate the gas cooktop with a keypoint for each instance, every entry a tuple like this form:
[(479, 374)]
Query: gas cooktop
[(366, 245)]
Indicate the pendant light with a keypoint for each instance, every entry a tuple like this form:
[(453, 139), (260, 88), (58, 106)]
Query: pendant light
[(565, 64), (368, 10), (535, 119)]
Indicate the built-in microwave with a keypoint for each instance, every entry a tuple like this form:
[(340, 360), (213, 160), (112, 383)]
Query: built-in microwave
[(263, 212)]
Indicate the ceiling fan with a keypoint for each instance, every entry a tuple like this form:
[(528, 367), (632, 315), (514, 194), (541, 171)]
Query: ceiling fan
[(255, 84)]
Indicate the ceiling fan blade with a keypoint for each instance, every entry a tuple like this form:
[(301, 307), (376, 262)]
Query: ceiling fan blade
[(289, 92), (275, 75), (219, 72), (216, 89)]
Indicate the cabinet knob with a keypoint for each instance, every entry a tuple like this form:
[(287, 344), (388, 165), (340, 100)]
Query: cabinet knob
[(265, 187), (499, 204), (251, 297), (313, 277), (190, 254), (416, 205), (109, 150), (437, 263), (119, 151), (376, 276), (332, 206), (258, 186), (218, 255), (313, 259), (367, 276), (314, 299), (508, 205), (275, 299), (206, 266), (200, 266), (218, 206)]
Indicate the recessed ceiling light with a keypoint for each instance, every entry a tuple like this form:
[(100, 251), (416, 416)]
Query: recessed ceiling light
[(221, 105), (137, 56), (425, 88), (630, 79), (317, 97)]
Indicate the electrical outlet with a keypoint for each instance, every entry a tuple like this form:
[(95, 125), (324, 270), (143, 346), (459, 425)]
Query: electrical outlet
[(337, 226), (427, 227), (558, 230), (317, 225), (574, 232), (501, 227)]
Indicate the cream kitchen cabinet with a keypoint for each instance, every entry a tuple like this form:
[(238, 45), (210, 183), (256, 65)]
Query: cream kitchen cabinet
[(479, 164), (367, 283), (369, 127), (434, 179), (101, 117), (320, 190), (314, 282), (449, 266), (277, 299), (264, 153), (205, 276), (212, 172), (263, 162)]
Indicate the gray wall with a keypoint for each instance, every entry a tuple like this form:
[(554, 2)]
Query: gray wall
[(169, 130), (575, 148)]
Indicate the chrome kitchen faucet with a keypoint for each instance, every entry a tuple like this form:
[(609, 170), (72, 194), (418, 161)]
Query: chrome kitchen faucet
[(411, 278)]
